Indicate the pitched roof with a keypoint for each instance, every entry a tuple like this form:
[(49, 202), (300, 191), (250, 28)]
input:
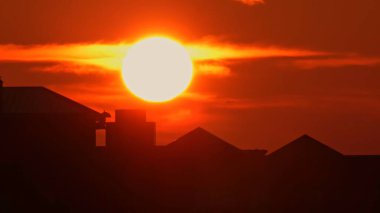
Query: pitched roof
[(40, 100), (201, 140), (305, 146)]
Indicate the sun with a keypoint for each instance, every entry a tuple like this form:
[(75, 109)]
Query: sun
[(157, 69)]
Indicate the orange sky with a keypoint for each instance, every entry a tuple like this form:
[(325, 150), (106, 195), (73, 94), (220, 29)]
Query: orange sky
[(266, 71)]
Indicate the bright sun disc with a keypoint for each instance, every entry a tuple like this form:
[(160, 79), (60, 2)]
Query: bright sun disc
[(157, 69)]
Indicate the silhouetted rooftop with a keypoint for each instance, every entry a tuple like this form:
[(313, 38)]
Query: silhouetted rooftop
[(200, 139), (40, 100), (305, 145)]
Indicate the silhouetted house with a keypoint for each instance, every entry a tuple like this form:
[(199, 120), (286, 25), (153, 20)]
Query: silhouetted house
[(36, 120), (202, 143), (304, 150), (305, 158), (130, 132), (309, 176), (46, 165)]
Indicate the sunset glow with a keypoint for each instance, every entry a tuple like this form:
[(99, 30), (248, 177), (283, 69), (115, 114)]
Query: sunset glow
[(157, 69), (208, 57), (190, 106)]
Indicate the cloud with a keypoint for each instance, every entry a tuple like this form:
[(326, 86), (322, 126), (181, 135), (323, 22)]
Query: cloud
[(230, 103), (241, 104), (70, 67), (225, 51), (337, 62), (213, 68), (210, 58), (247, 104), (251, 2), (107, 56)]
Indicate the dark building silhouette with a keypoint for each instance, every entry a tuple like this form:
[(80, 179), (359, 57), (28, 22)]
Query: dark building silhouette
[(201, 147), (130, 131), (49, 163), (37, 120), (305, 147), (203, 143), (304, 151)]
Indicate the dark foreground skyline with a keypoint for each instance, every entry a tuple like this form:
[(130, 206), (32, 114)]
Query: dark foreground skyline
[(50, 163), (296, 66)]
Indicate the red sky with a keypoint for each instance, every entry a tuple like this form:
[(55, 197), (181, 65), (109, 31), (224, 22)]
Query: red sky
[(269, 70)]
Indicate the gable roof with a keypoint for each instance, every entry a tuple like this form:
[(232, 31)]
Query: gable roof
[(40, 100), (305, 146), (201, 140)]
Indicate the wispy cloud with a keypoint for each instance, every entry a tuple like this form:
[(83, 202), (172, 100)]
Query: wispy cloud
[(337, 62), (251, 2), (210, 58), (240, 103), (70, 67), (221, 51), (106, 56), (213, 68)]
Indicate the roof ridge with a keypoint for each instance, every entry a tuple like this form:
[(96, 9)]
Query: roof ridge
[(205, 132), (70, 100), (302, 140), (41, 100)]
